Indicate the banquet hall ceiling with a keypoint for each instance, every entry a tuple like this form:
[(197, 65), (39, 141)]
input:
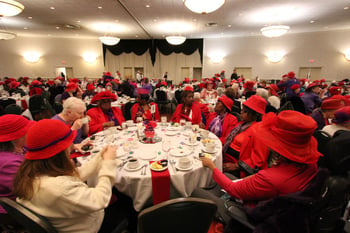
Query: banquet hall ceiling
[(145, 19)]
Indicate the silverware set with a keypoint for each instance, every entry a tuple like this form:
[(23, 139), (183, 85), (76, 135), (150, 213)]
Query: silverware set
[(144, 169), (172, 163)]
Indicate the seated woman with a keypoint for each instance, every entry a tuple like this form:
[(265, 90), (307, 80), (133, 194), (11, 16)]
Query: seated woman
[(48, 183), (209, 92), (239, 143), (104, 115), (71, 90), (221, 122), (187, 110), (292, 162), (144, 108), (13, 130)]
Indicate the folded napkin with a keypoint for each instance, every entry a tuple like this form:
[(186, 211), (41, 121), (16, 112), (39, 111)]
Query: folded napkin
[(78, 154), (160, 185)]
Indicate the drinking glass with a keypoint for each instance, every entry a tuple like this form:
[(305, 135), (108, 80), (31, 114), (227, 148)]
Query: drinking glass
[(139, 119), (164, 120), (166, 146)]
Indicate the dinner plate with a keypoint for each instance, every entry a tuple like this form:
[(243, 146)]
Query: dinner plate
[(183, 169), (157, 169), (172, 128), (187, 142), (210, 152), (177, 152), (126, 168), (147, 156), (171, 133)]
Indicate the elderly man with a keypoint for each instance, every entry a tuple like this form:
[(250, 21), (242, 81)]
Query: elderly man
[(73, 114)]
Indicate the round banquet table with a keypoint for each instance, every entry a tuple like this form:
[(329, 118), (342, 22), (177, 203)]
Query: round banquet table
[(138, 186)]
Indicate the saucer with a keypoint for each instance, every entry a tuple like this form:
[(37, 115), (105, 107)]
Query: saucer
[(183, 169), (170, 133), (157, 169), (210, 152), (172, 128), (147, 156), (177, 152), (187, 142), (126, 168)]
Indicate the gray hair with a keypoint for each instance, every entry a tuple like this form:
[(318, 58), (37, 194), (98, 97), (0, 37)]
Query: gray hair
[(262, 92), (196, 96), (72, 103)]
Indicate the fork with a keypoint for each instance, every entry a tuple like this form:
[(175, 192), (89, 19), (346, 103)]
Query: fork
[(143, 169), (173, 162)]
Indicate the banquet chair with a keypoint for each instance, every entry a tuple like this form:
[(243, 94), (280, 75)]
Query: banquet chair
[(185, 215), (161, 98), (30, 220)]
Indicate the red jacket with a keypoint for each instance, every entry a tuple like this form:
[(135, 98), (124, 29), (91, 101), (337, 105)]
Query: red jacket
[(147, 115), (204, 108), (196, 114), (268, 183), (228, 124), (98, 118)]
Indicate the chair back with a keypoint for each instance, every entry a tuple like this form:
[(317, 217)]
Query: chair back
[(178, 96), (32, 221), (185, 215), (161, 95)]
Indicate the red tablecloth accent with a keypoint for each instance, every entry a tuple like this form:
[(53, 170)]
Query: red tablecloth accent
[(24, 105), (77, 154), (160, 185)]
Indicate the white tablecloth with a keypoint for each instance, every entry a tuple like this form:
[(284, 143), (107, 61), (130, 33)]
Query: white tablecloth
[(139, 187)]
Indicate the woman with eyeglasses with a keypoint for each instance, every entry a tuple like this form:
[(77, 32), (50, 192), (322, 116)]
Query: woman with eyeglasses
[(104, 115)]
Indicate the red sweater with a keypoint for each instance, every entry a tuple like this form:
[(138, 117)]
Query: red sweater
[(228, 124), (268, 183), (98, 118), (147, 115), (196, 114)]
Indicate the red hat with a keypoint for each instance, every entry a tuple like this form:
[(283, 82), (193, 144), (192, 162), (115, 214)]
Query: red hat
[(194, 80), (50, 82), (233, 81), (335, 90), (291, 74), (71, 86), (295, 86), (249, 85), (163, 83), (311, 85), (322, 80), (302, 81), (73, 80), (13, 127), (273, 89), (25, 78), (345, 100), (90, 87), (188, 88), (116, 81), (142, 91), (43, 144), (226, 101), (108, 84), (332, 104), (341, 83), (187, 80), (256, 103), (290, 134), (222, 71), (35, 82), (103, 95), (1, 83), (285, 75), (14, 84), (107, 73), (224, 80), (342, 115)]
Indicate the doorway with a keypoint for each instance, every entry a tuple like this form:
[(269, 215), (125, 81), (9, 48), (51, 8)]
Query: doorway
[(185, 72), (67, 72), (128, 73), (311, 73), (197, 73)]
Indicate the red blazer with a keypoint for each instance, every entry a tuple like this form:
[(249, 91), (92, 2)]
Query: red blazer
[(196, 114), (268, 183), (204, 108), (147, 115), (228, 124), (98, 118)]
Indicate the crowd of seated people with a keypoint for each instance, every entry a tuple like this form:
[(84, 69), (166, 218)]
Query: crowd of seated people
[(267, 126)]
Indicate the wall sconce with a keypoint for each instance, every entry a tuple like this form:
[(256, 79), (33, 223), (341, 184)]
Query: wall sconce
[(31, 57), (216, 57), (347, 54), (89, 57), (275, 56)]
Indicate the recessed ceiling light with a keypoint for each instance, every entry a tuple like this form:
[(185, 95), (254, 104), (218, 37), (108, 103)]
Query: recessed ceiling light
[(229, 25), (346, 8), (312, 21), (99, 7), (148, 6), (30, 17), (57, 28), (52, 8)]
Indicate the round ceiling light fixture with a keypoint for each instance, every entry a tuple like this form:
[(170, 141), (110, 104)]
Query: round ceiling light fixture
[(109, 40), (203, 6), (274, 31), (4, 35), (10, 8), (175, 40)]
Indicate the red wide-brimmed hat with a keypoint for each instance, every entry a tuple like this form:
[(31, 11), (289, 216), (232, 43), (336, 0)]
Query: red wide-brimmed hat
[(50, 82), (13, 127), (107, 73), (332, 104), (186, 80), (43, 144), (311, 85), (14, 84), (290, 135), (273, 89), (224, 80), (342, 115), (291, 74), (104, 95), (344, 98), (256, 103), (249, 85), (35, 83), (73, 80), (295, 86), (163, 83), (71, 86), (90, 87), (188, 88), (226, 101)]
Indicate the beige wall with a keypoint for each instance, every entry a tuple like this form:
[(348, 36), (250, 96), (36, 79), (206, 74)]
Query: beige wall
[(324, 47)]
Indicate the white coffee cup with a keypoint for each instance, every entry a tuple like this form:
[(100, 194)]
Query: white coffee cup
[(184, 163), (204, 133), (133, 163), (130, 123), (85, 120), (124, 125), (210, 147)]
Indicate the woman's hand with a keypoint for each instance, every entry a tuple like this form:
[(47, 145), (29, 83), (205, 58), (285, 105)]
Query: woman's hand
[(208, 163), (229, 167), (78, 147), (108, 124), (77, 124), (109, 152)]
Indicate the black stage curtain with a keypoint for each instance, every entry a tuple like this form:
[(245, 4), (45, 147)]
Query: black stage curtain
[(139, 47)]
